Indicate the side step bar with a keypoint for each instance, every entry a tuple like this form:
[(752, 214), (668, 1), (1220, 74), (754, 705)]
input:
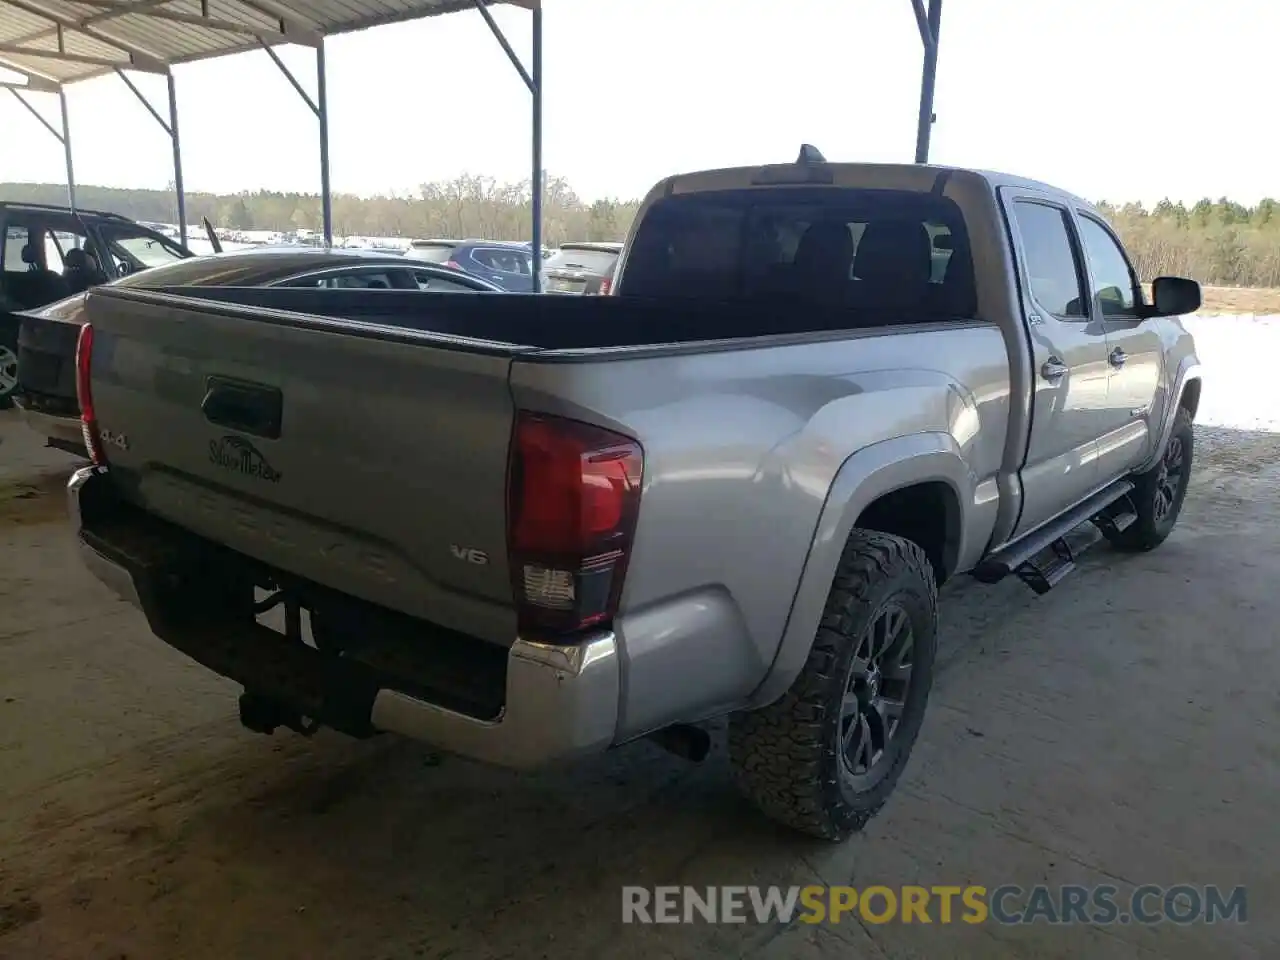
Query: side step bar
[(1046, 555)]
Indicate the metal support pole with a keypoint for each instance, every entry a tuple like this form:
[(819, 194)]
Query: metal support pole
[(66, 150), (536, 198), (929, 37), (322, 112), (177, 161)]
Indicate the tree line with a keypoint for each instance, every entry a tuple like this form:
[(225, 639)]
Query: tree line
[(467, 206), (1218, 242)]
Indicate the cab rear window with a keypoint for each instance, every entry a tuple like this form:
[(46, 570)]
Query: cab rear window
[(858, 249)]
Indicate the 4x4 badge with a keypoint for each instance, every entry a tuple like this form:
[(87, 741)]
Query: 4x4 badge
[(117, 440), (241, 456)]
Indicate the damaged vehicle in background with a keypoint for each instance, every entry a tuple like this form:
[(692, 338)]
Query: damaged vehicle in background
[(507, 264), (529, 528), (45, 359), (52, 252), (582, 268)]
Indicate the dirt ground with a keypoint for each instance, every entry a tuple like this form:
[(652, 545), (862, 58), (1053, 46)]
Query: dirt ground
[(1123, 729), (1259, 300)]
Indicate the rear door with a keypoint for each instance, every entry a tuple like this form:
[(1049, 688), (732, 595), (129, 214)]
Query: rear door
[(1069, 356), (509, 268)]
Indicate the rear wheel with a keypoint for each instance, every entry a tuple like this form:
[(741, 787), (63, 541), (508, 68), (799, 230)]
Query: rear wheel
[(1158, 494), (824, 758), (8, 362)]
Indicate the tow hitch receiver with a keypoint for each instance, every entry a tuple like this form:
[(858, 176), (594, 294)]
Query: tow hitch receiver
[(263, 714)]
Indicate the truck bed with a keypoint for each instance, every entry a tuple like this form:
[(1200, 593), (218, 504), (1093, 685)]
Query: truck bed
[(362, 443), (519, 319)]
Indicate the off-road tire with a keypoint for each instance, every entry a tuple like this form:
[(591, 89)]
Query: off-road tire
[(785, 755), (1149, 531), (9, 353)]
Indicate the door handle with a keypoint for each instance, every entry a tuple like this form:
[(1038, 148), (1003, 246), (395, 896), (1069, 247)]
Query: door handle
[(1117, 357), (1053, 369)]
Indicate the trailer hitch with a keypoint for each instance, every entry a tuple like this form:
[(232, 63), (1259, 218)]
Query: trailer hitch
[(263, 714)]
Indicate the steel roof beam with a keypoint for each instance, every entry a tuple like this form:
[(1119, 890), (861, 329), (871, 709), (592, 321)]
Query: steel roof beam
[(17, 92), (62, 57), (139, 59), (36, 82), (533, 80), (122, 8), (140, 5), (930, 24), (291, 29)]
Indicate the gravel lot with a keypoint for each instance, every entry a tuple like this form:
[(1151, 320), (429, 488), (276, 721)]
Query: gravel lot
[(1123, 729)]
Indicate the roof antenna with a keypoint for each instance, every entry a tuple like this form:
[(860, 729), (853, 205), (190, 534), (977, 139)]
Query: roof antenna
[(810, 154)]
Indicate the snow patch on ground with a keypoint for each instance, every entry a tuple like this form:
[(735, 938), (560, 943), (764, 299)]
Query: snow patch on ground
[(1238, 354)]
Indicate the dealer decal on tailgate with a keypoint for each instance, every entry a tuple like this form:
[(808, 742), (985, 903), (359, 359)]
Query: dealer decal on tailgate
[(239, 455)]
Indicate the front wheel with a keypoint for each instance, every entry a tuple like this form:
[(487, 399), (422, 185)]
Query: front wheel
[(1158, 494), (824, 758)]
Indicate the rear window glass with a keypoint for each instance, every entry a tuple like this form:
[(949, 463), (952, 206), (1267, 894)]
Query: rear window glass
[(592, 261), (433, 253), (857, 249)]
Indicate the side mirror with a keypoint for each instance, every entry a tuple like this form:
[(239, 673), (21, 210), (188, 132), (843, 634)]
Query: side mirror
[(1173, 296)]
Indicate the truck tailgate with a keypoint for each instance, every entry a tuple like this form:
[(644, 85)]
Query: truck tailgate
[(370, 461)]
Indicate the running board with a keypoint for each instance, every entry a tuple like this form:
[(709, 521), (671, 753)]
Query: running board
[(1045, 556)]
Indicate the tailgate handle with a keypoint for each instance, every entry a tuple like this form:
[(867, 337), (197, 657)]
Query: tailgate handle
[(243, 406)]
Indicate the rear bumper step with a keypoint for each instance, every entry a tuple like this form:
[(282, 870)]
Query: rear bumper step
[(552, 702)]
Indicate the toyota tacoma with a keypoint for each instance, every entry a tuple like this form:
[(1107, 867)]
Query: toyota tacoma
[(529, 528)]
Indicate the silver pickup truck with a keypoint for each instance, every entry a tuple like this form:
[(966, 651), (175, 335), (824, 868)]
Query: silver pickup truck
[(527, 528)]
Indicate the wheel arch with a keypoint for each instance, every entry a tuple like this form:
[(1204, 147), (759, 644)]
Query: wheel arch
[(875, 484), (1189, 399), (1186, 396)]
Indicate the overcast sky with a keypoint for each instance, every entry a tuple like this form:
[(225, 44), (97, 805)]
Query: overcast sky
[(1114, 99)]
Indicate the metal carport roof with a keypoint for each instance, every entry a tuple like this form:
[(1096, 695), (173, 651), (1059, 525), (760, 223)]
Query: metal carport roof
[(64, 41), (52, 43)]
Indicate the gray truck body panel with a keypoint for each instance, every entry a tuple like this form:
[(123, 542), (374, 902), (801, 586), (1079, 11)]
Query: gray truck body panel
[(760, 455)]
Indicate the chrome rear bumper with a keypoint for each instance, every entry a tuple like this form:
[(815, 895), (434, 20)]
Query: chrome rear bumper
[(561, 701)]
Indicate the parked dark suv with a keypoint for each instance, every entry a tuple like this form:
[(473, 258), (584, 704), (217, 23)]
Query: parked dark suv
[(582, 268), (50, 253), (507, 264)]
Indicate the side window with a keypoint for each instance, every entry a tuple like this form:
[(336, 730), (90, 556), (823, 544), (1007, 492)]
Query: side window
[(133, 249), (355, 280), (1113, 280), (504, 261), (57, 243), (16, 237), (53, 249), (1052, 268), (438, 284)]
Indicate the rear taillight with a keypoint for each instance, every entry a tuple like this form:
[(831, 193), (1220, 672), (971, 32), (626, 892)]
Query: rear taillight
[(84, 391), (452, 264), (605, 284), (574, 494)]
